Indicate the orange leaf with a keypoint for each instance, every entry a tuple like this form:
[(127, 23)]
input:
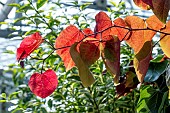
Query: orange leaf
[(44, 84), (143, 4), (142, 59), (89, 52), (28, 45), (165, 40), (154, 23), (67, 37), (120, 32), (103, 22), (136, 39), (111, 56), (161, 9), (85, 75)]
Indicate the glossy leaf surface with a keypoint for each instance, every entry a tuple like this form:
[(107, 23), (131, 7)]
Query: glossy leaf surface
[(67, 37), (85, 75), (155, 70), (28, 45), (151, 100), (44, 84)]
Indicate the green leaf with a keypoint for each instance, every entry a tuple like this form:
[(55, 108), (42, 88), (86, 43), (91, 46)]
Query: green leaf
[(151, 100), (40, 3), (3, 23), (19, 19), (155, 70), (1, 101), (30, 32), (14, 5), (24, 8), (3, 95), (50, 103), (158, 58)]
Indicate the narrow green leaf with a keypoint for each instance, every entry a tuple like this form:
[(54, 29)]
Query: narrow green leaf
[(40, 3), (14, 5)]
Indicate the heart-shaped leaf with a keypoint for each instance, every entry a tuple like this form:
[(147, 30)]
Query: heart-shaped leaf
[(28, 45), (44, 84), (67, 37)]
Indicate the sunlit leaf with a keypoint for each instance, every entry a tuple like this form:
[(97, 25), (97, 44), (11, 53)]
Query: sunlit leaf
[(165, 40), (120, 32), (103, 22), (67, 37), (40, 3), (85, 75), (153, 23), (151, 100), (136, 39), (44, 84), (28, 45), (142, 4), (142, 60)]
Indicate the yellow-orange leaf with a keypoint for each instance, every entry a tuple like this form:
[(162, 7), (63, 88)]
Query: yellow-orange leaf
[(85, 75), (141, 60), (165, 40), (161, 9), (153, 23)]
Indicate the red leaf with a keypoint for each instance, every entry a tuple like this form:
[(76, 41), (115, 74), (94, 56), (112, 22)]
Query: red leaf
[(103, 22), (120, 32), (143, 4), (161, 9), (67, 37), (88, 31), (89, 52), (149, 2), (44, 84), (28, 45)]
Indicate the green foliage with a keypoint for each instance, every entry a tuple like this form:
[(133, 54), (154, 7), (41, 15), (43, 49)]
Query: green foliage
[(71, 96)]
